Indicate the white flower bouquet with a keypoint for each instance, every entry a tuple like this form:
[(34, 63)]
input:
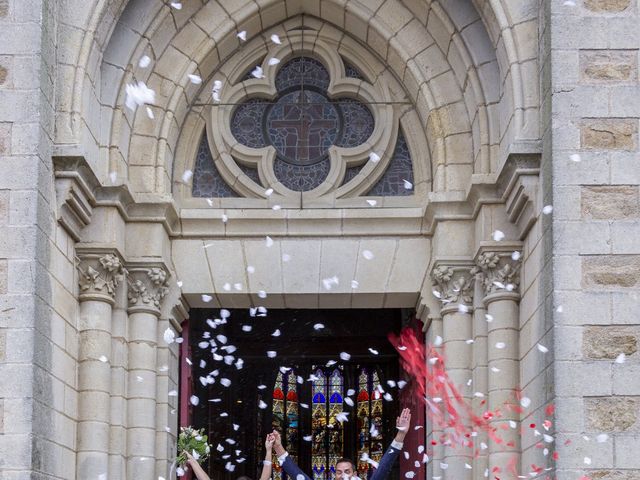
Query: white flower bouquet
[(193, 441)]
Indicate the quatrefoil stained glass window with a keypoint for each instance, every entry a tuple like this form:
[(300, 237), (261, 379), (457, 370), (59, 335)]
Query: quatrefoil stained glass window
[(301, 123)]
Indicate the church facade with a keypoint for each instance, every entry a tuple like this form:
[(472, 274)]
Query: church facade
[(472, 165)]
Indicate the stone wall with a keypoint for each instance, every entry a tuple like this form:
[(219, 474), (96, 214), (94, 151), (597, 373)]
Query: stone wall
[(593, 137), (37, 280)]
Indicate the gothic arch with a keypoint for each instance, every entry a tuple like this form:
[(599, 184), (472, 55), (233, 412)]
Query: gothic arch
[(443, 52)]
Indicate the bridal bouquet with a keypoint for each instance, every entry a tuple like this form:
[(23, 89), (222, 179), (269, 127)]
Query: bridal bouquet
[(192, 441)]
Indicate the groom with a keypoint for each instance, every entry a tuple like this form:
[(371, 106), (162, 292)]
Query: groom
[(345, 468)]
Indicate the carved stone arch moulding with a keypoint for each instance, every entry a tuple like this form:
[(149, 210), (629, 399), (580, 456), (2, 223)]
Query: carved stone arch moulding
[(324, 124)]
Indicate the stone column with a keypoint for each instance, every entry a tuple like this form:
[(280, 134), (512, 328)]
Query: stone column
[(501, 281), (168, 365), (100, 271), (479, 371), (119, 366), (455, 288), (147, 288), (434, 432)]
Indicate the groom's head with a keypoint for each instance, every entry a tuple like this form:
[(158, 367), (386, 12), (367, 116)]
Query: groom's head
[(345, 468)]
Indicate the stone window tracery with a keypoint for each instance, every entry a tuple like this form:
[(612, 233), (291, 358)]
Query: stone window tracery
[(314, 125)]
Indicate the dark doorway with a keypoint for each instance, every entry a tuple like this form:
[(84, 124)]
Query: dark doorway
[(299, 390)]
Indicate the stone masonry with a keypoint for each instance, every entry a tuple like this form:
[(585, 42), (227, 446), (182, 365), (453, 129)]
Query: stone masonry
[(522, 118)]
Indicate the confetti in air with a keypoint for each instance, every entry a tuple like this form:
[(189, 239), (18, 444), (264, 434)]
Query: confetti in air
[(242, 35), (498, 236), (276, 39), (138, 94), (144, 62), (195, 79), (374, 157)]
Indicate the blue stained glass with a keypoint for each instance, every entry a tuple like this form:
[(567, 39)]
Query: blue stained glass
[(207, 181), (351, 71), (302, 123), (400, 169), (318, 398), (335, 398)]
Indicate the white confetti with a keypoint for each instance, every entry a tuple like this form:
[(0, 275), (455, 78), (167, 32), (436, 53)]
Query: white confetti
[(276, 333), (516, 255), (374, 157), (569, 3), (355, 284), (525, 402), (273, 61), (176, 5), (269, 241), (620, 358), (345, 356), (215, 91), (138, 94), (257, 72), (276, 207), (587, 461), (500, 345), (103, 359), (276, 39), (407, 184), (113, 176), (462, 308), (225, 381), (194, 400), (438, 341), (342, 417), (542, 348), (348, 401), (195, 79), (262, 405), (547, 209), (368, 254), (186, 176), (375, 352), (575, 157), (498, 236), (488, 318), (372, 203), (206, 298), (242, 35), (224, 218), (268, 192), (271, 354), (169, 336), (603, 437), (144, 62)]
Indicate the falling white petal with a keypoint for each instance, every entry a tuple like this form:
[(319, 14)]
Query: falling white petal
[(194, 400), (345, 356), (547, 209), (274, 61), (138, 94), (620, 358), (195, 79), (373, 351), (207, 298), (368, 254), (575, 157), (257, 72), (177, 5), (498, 235), (186, 176), (542, 348), (276, 39), (242, 35), (318, 326), (269, 241), (374, 157), (407, 184), (372, 203), (169, 336), (144, 62)]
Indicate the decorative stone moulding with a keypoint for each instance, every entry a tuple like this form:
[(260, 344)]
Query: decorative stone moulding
[(99, 274), (498, 270), (453, 282), (148, 285), (350, 172)]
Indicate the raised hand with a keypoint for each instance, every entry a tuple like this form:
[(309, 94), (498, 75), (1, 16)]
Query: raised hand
[(402, 424), (276, 438), (268, 443)]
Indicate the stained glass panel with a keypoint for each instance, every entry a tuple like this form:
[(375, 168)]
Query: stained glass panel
[(351, 71), (400, 169), (207, 181), (302, 123), (278, 419), (318, 426)]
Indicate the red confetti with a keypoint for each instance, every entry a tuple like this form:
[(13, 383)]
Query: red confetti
[(550, 410)]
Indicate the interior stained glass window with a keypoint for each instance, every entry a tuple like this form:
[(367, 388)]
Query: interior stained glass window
[(369, 418), (285, 416), (302, 123)]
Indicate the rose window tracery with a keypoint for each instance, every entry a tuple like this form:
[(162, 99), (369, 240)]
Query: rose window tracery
[(306, 127)]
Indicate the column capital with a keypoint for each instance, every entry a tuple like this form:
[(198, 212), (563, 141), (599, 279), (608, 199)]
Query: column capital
[(499, 272), (100, 271), (453, 281), (148, 285)]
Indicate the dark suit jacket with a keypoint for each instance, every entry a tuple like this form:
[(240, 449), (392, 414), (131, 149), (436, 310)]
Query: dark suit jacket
[(380, 473)]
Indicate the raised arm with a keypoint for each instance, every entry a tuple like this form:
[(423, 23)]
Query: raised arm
[(268, 448), (288, 465), (403, 422), (197, 469)]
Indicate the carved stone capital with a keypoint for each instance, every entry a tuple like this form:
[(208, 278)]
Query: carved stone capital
[(99, 273), (499, 272), (453, 284), (148, 285)]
